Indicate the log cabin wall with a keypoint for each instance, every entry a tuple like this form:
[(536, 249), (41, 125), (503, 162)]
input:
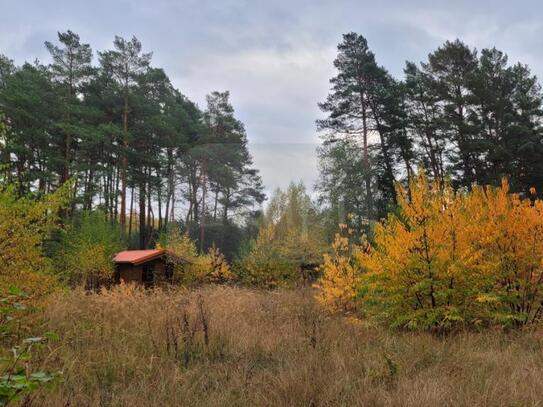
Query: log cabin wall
[(129, 273)]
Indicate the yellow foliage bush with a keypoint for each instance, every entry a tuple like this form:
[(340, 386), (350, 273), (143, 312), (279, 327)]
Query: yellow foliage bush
[(216, 266), (341, 279), (24, 224), (447, 258), (210, 267)]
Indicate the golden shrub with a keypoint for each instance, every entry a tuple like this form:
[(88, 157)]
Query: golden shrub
[(24, 225), (446, 258), (210, 267), (341, 276)]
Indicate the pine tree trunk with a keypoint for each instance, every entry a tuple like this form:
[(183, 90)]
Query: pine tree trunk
[(189, 216), (215, 204), (225, 207), (203, 216), (172, 210), (89, 190), (159, 201), (102, 197), (116, 204), (149, 208), (131, 212), (66, 167), (68, 138), (366, 161), (169, 192), (108, 192), (386, 156), (124, 165), (195, 214), (142, 222), (429, 137)]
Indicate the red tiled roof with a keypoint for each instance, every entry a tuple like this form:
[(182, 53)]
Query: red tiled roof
[(137, 256)]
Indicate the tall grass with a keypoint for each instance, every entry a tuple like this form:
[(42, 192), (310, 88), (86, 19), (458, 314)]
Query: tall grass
[(222, 346)]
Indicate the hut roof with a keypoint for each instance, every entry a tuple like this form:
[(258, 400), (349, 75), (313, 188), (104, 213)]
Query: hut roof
[(136, 257)]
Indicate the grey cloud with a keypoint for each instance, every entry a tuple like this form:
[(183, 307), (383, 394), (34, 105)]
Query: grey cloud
[(275, 57)]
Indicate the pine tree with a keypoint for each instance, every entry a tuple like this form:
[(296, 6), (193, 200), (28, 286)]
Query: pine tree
[(122, 125), (348, 106), (125, 63), (423, 119), (366, 101), (31, 110), (71, 68), (452, 68)]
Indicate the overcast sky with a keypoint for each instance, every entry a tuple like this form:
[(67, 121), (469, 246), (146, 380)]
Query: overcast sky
[(275, 56)]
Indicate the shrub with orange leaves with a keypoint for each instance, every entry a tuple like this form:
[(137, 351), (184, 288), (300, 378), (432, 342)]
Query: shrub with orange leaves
[(423, 270), (447, 258), (509, 237)]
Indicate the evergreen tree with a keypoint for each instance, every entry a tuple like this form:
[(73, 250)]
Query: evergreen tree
[(452, 67), (32, 111), (509, 101), (125, 63), (71, 68), (225, 178), (468, 118), (347, 106), (365, 101), (424, 119)]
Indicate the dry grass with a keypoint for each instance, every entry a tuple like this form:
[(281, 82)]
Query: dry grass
[(229, 346)]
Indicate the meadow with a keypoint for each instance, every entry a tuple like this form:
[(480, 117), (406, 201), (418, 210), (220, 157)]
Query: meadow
[(218, 346), (410, 273)]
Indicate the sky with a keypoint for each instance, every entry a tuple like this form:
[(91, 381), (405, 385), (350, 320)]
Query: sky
[(275, 57)]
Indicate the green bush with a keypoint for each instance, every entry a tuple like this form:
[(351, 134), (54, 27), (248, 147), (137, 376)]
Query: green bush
[(86, 249), (17, 380)]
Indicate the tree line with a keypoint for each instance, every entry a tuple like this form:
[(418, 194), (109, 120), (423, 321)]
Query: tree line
[(132, 144), (468, 116)]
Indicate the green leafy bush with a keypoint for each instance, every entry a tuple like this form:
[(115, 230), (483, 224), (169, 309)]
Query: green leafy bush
[(85, 252), (291, 236), (17, 380)]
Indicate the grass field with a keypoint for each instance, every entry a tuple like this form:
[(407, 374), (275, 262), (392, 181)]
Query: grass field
[(222, 346)]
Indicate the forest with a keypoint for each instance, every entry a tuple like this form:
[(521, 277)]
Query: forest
[(464, 116), (133, 146), (411, 269)]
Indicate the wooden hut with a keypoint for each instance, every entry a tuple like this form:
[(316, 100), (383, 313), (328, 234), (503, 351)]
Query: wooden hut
[(144, 266)]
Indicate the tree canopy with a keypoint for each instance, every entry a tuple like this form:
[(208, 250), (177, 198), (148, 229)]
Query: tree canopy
[(464, 115), (135, 146)]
